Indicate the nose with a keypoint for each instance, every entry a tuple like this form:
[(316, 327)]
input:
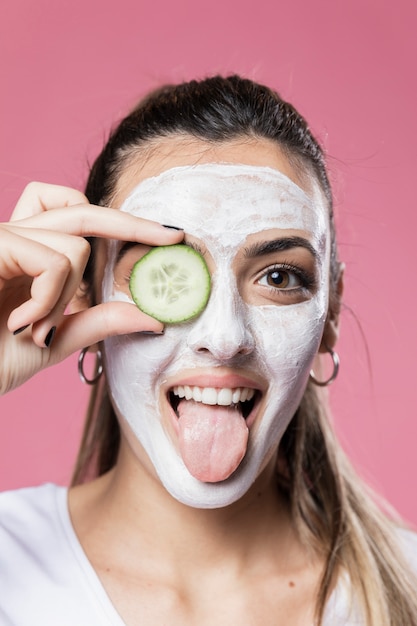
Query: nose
[(222, 328)]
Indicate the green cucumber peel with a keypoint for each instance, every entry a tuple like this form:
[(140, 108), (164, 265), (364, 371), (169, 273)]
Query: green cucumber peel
[(171, 283)]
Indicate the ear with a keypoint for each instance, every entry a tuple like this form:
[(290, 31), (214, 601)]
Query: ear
[(331, 327)]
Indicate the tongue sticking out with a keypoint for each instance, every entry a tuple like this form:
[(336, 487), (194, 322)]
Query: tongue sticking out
[(213, 439)]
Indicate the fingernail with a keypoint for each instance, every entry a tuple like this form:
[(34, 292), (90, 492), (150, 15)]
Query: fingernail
[(20, 330), (50, 336), (150, 332), (173, 227)]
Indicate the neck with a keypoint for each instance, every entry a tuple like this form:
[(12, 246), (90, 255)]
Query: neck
[(132, 500)]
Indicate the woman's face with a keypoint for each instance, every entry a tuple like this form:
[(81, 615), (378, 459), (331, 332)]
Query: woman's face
[(209, 400)]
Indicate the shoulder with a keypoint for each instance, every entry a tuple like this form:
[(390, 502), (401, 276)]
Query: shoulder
[(30, 539), (342, 607), (43, 572), (30, 509), (29, 521), (28, 496)]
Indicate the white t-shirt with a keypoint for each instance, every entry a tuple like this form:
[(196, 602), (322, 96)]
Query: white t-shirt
[(47, 580)]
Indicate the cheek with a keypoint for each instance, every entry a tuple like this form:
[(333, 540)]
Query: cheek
[(134, 363), (287, 337), (124, 370), (287, 340)]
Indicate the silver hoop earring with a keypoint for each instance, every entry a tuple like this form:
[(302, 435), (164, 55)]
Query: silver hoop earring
[(99, 367), (336, 364)]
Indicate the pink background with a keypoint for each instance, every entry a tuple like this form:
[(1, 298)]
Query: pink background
[(69, 69)]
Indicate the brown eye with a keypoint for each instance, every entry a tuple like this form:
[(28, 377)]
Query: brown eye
[(278, 279), (281, 279)]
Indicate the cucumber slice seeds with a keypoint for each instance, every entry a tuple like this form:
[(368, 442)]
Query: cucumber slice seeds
[(171, 283)]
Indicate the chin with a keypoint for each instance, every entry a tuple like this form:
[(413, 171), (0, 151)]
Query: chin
[(214, 495)]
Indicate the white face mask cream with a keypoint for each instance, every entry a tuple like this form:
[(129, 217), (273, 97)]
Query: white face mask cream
[(210, 399)]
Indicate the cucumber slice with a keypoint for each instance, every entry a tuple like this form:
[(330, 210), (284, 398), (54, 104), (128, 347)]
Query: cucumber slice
[(171, 283)]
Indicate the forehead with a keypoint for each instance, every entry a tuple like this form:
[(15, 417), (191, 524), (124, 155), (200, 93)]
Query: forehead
[(225, 203)]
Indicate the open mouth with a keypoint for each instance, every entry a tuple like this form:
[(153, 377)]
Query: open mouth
[(242, 398), (213, 426)]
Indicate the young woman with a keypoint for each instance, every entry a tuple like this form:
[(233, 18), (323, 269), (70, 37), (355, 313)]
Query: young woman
[(209, 486)]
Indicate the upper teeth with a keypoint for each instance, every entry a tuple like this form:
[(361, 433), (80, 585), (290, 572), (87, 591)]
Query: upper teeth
[(210, 395)]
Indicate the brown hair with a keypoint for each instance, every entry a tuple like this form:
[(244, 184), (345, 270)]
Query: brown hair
[(330, 506)]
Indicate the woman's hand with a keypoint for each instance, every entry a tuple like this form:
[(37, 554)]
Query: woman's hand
[(43, 254)]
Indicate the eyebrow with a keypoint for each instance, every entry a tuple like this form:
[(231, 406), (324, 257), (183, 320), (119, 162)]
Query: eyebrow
[(279, 245)]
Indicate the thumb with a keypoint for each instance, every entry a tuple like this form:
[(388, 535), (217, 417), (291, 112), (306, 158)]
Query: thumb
[(97, 323)]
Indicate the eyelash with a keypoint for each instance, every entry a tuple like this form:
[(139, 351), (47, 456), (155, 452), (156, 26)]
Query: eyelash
[(307, 279)]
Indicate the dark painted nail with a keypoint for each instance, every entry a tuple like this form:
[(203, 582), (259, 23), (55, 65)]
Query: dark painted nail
[(151, 332), (50, 336), (173, 227), (20, 330)]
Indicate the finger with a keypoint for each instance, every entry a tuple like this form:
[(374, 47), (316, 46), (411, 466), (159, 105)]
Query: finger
[(48, 268), (39, 197), (100, 322), (56, 262), (88, 220), (78, 255)]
